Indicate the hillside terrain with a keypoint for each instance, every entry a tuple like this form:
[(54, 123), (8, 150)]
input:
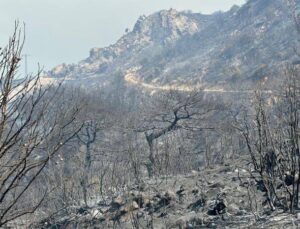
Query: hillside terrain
[(189, 157), (188, 121), (225, 50), (219, 197)]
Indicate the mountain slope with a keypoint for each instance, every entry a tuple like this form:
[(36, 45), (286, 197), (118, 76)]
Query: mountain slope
[(210, 198), (222, 50)]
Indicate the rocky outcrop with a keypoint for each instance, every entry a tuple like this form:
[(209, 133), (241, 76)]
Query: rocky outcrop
[(213, 198), (165, 27), (226, 49)]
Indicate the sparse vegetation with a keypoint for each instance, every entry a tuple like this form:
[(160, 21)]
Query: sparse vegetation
[(131, 146)]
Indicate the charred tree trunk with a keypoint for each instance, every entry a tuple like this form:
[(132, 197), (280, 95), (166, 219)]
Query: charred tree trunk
[(150, 165), (87, 138)]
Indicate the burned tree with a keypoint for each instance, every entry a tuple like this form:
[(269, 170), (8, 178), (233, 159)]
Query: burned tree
[(171, 111), (32, 130), (271, 133), (87, 137)]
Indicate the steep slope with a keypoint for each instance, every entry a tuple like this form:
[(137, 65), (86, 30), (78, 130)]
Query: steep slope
[(222, 50), (211, 198)]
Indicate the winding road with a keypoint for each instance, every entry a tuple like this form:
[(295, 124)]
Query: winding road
[(133, 80)]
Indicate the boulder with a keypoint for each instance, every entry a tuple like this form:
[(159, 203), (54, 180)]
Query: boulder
[(170, 195), (119, 200), (196, 206), (95, 213), (181, 192), (116, 204), (131, 206), (141, 199), (219, 206), (161, 201)]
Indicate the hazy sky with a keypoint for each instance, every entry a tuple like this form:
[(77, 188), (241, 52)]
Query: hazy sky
[(63, 31)]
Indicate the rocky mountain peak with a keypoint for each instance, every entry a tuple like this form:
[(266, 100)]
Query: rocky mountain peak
[(165, 26), (242, 45)]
